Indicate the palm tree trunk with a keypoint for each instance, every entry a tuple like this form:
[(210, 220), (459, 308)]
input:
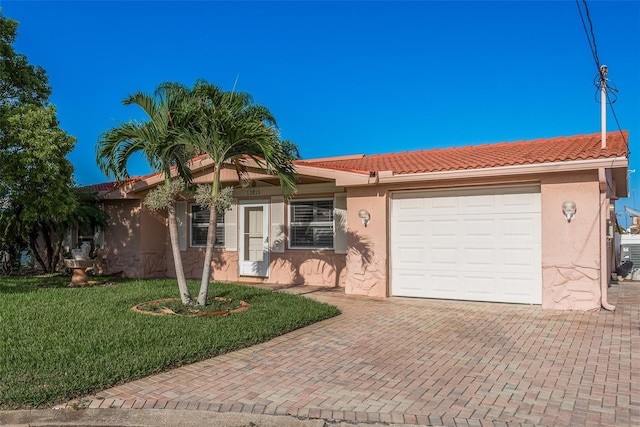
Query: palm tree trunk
[(185, 296), (211, 240)]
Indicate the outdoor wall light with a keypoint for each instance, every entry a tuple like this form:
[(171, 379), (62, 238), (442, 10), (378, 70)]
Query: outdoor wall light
[(569, 209), (364, 216)]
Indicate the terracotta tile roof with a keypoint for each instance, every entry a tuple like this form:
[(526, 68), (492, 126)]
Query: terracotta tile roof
[(101, 187), (560, 149), (114, 185)]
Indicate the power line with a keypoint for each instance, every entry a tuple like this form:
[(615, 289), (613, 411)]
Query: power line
[(615, 117), (591, 39)]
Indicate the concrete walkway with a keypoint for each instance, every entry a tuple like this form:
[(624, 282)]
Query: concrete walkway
[(425, 362)]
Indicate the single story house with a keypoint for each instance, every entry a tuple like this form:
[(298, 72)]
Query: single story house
[(525, 222)]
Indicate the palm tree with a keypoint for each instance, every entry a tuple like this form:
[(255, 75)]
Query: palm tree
[(232, 129), (161, 141)]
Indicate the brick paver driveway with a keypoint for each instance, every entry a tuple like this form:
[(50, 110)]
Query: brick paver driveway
[(424, 362)]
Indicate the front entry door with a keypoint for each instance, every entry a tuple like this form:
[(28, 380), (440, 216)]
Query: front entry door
[(254, 239)]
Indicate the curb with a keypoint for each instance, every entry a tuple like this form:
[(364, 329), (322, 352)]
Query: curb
[(154, 418)]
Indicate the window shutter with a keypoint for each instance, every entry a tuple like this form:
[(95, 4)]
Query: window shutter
[(340, 218), (277, 224), (181, 217), (231, 228)]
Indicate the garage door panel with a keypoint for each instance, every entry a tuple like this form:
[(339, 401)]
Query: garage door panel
[(524, 259), (410, 229), (529, 202), (480, 257), (411, 284), (478, 204), (478, 228), (411, 255), (443, 285), (517, 228), (477, 245), (479, 286), (409, 204), (520, 289), (442, 205), (443, 228), (442, 256)]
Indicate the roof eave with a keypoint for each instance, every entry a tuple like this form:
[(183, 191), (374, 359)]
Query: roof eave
[(341, 178), (388, 177)]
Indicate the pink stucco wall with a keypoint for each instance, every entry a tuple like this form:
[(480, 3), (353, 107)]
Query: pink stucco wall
[(571, 250), (135, 240), (225, 264), (154, 242), (367, 254), (318, 268), (121, 252), (137, 243)]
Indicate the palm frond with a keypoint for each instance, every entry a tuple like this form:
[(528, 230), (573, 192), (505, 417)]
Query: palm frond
[(160, 139)]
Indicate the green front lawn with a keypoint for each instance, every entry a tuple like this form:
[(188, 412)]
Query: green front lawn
[(59, 343)]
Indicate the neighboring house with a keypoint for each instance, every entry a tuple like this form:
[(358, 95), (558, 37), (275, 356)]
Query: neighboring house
[(483, 223)]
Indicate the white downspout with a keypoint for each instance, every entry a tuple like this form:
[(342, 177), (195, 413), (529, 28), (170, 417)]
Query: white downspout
[(604, 259)]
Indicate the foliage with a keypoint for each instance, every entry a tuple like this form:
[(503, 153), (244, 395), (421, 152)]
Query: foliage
[(58, 343), (163, 195), (36, 180), (228, 126), (89, 214), (231, 128), (161, 140), (223, 200), (20, 82), (37, 194)]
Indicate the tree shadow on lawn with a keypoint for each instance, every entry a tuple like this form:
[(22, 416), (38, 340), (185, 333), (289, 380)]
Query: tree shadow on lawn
[(33, 283)]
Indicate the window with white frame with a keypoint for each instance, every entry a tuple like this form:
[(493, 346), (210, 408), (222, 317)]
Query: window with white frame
[(311, 224), (200, 226)]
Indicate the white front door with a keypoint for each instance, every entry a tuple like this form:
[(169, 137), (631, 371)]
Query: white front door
[(254, 238)]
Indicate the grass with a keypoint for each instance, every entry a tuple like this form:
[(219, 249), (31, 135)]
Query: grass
[(59, 343)]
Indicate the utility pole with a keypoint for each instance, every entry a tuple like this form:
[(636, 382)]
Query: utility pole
[(603, 104)]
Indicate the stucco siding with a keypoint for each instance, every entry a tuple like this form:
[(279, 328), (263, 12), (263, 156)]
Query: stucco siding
[(571, 250), (154, 243), (318, 268), (367, 256), (121, 253), (137, 240), (224, 264)]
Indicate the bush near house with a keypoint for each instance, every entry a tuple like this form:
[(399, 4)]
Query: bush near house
[(59, 343)]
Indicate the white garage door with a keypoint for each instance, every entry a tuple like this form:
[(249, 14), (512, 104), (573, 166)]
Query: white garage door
[(479, 245)]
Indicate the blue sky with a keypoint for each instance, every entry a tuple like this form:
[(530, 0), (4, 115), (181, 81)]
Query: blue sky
[(344, 77)]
